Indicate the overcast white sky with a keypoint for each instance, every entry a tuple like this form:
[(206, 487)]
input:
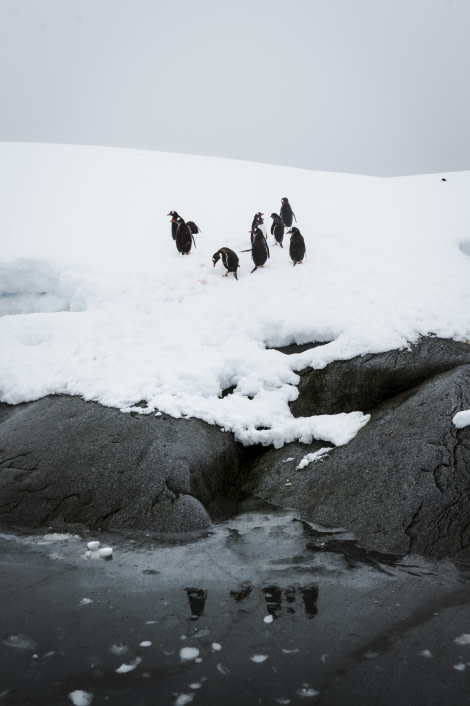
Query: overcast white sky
[(378, 87)]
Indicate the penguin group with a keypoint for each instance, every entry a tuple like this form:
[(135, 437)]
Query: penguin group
[(183, 233)]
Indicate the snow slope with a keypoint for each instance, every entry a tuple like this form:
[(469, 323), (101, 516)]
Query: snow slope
[(97, 302)]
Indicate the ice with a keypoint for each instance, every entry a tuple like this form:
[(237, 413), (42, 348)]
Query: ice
[(81, 698), (124, 668), (463, 639), (462, 419), (187, 654), (259, 659)]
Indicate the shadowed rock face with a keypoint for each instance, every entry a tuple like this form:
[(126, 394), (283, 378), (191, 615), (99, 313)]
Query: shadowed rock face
[(64, 460), (365, 381), (401, 485)]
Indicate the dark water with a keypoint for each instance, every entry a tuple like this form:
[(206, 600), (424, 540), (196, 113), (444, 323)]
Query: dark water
[(261, 609)]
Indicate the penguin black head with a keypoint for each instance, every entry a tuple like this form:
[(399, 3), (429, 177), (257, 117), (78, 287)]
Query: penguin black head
[(285, 200), (216, 257), (174, 215), (293, 231)]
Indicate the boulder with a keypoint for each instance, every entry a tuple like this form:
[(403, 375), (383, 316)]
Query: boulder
[(402, 485), (65, 461), (362, 382)]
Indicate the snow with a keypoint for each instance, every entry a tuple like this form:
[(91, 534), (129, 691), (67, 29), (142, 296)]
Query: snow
[(462, 419), (313, 457), (97, 302)]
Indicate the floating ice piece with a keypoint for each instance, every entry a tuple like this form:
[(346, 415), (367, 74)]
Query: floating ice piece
[(80, 698), (459, 667), (145, 643), (21, 642), (463, 639), (94, 545), (426, 653), (268, 618), (258, 659), (56, 537), (216, 646), (86, 601), (105, 552), (307, 692), (124, 668), (189, 653), (118, 649), (184, 699), (222, 669)]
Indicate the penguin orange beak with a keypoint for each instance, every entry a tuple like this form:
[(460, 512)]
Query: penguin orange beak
[(214, 264)]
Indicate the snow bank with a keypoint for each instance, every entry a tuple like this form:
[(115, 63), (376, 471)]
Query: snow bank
[(97, 302)]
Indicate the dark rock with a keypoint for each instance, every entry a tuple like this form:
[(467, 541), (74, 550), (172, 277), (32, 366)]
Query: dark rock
[(365, 381), (66, 461), (401, 485)]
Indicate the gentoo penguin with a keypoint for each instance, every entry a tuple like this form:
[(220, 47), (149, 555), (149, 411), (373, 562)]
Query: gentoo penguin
[(183, 238), (174, 222), (229, 260), (174, 225), (297, 250), (259, 249), (286, 212), (258, 222), (277, 228)]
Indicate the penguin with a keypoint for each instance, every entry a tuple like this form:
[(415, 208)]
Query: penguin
[(258, 222), (277, 229), (229, 260), (174, 223), (297, 249), (183, 237), (259, 249), (286, 212)]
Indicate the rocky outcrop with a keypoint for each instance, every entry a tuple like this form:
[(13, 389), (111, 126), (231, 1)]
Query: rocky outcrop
[(363, 382), (66, 461), (401, 485)]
